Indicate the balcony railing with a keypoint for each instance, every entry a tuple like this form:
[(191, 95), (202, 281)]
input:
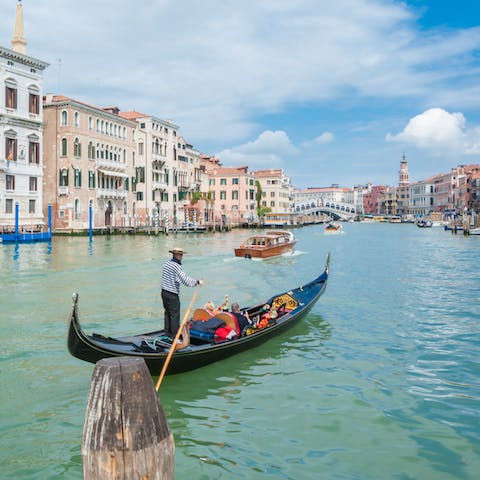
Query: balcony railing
[(3, 165), (111, 165), (158, 185), (62, 191), (111, 193)]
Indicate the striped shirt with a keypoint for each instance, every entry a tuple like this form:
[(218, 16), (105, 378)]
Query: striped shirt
[(173, 276)]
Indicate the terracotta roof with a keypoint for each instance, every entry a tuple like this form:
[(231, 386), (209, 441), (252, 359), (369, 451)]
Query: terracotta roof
[(273, 172), (229, 171), (133, 115), (62, 99)]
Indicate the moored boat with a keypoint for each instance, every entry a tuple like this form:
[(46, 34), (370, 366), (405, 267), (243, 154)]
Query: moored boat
[(269, 244), (198, 350), (474, 231)]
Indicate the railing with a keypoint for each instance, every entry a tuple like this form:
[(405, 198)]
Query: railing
[(62, 191), (3, 165), (111, 193), (111, 165), (156, 185)]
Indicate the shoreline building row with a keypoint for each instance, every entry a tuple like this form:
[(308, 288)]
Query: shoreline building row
[(132, 169)]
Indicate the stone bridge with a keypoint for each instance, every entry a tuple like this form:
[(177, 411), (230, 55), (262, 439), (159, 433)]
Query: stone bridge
[(335, 210)]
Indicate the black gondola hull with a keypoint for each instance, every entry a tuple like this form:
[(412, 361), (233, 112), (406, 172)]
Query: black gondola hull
[(93, 348)]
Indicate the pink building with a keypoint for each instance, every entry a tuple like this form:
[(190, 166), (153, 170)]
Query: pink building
[(233, 193)]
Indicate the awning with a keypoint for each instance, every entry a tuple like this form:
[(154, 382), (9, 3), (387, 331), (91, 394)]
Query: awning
[(112, 173)]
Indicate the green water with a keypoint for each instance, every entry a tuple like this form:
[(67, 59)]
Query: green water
[(381, 379)]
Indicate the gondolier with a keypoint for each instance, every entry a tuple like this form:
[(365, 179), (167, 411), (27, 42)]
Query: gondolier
[(172, 276)]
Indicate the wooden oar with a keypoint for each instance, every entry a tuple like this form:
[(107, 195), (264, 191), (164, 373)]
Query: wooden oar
[(177, 336)]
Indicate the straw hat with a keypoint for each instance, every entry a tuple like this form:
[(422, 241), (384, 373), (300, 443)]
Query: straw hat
[(177, 251)]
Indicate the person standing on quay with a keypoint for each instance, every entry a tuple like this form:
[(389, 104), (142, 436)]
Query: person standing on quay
[(172, 276)]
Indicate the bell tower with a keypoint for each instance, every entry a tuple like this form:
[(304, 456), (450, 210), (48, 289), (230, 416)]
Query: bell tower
[(403, 175), (19, 44)]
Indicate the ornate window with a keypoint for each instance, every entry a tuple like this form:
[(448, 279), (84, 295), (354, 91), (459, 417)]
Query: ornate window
[(63, 177), (64, 118), (77, 148), (33, 152), (33, 184), (11, 94), (33, 103), (11, 149), (64, 147), (10, 182)]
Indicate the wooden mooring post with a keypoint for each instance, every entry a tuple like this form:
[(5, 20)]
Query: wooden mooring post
[(125, 434)]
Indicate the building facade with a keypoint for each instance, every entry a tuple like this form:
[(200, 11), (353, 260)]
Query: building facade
[(276, 190), (233, 191), (89, 164), (21, 140)]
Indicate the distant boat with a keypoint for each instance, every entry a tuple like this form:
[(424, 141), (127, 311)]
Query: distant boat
[(424, 223), (270, 244), (333, 227), (474, 231)]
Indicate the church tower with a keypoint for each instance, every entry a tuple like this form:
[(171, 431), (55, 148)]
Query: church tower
[(403, 175), (19, 44)]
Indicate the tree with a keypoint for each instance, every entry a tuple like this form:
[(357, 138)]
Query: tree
[(261, 211)]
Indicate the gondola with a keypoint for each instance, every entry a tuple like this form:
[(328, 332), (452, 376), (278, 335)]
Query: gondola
[(153, 347)]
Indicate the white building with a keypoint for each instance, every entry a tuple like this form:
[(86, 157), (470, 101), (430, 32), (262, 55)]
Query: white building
[(21, 121), (421, 197)]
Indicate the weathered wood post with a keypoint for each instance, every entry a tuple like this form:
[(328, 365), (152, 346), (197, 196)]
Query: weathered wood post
[(125, 435)]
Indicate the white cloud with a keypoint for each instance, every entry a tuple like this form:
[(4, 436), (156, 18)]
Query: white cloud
[(213, 66), (439, 132), (322, 139), (268, 150)]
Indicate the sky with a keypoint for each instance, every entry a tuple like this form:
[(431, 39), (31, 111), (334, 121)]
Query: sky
[(333, 92)]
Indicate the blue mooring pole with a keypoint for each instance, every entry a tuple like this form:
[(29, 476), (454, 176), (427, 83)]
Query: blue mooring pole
[(16, 219), (90, 229), (50, 220)]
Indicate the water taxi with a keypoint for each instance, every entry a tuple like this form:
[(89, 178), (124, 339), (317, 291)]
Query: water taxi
[(269, 244), (333, 227)]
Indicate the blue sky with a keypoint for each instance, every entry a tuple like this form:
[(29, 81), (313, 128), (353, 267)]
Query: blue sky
[(332, 92)]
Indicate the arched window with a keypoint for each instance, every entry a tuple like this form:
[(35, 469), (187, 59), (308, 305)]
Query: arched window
[(77, 209), (76, 119), (91, 151), (64, 118), (64, 148), (77, 148)]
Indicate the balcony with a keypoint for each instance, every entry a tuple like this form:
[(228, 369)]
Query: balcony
[(62, 191), (111, 193), (185, 186), (159, 185), (110, 167), (3, 165)]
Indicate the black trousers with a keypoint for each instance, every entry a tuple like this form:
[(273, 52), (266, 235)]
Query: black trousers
[(171, 304)]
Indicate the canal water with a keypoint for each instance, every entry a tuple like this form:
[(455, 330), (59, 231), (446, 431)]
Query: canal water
[(380, 380)]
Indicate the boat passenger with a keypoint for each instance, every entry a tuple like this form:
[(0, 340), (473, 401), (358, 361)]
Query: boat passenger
[(243, 320), (172, 276)]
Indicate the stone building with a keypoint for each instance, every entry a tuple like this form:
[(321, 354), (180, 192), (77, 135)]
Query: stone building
[(89, 161), (21, 123), (234, 192)]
